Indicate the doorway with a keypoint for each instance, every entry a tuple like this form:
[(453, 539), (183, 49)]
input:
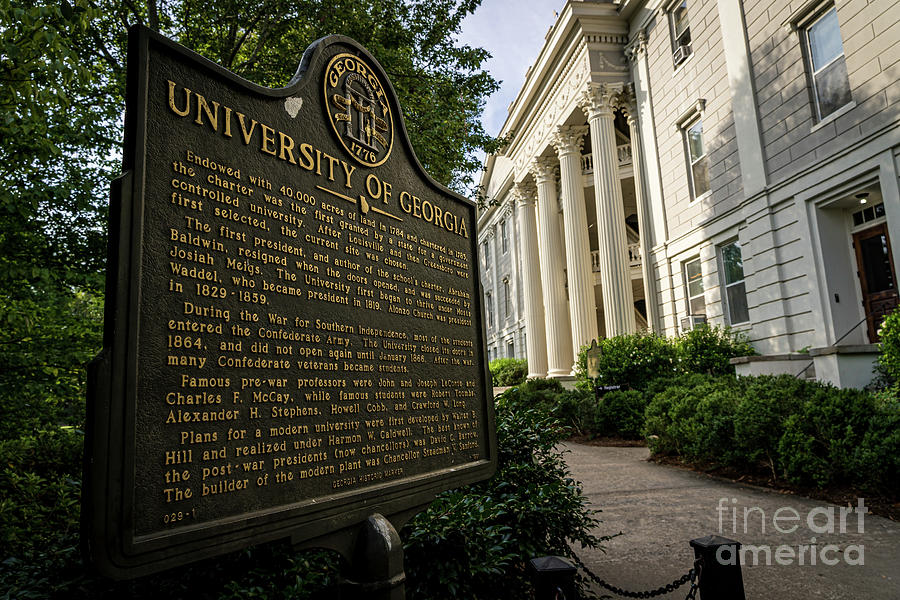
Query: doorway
[(877, 277)]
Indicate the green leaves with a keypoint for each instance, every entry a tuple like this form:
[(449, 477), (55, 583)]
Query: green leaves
[(486, 533)]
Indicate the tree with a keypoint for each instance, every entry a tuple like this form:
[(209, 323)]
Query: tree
[(62, 67)]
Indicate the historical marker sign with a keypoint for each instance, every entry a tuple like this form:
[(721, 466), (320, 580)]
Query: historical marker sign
[(294, 326)]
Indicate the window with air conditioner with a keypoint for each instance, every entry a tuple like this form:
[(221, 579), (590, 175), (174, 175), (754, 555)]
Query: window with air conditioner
[(681, 32), (825, 63)]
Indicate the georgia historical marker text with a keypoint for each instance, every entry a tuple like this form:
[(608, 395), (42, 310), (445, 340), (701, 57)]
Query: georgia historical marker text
[(293, 326)]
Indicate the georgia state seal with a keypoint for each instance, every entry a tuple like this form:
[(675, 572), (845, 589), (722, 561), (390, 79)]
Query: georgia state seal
[(358, 109)]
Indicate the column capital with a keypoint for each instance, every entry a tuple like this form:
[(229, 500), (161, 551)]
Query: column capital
[(637, 49), (568, 139), (629, 103), (544, 170), (524, 192), (601, 99)]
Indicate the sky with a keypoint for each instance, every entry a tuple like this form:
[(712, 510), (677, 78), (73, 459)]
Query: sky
[(513, 32)]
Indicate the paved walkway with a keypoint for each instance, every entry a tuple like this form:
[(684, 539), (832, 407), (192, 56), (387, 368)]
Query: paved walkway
[(659, 509)]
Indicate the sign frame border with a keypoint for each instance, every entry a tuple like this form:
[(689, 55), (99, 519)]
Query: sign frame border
[(108, 540)]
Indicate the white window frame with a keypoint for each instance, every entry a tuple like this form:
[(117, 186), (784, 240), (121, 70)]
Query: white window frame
[(691, 162), (678, 40), (504, 237), (687, 289), (726, 313), (806, 28)]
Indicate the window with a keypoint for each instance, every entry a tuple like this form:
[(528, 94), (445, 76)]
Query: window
[(870, 213), (510, 349), (487, 253), (490, 310), (506, 310), (828, 71), (504, 237), (735, 290), (693, 283), (699, 161), (681, 32)]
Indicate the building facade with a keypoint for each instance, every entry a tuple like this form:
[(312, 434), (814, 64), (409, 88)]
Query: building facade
[(725, 161)]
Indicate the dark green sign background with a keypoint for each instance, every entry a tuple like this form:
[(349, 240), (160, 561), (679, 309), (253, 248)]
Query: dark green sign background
[(294, 329)]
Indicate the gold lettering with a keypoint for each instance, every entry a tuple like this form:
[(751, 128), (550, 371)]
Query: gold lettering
[(187, 100)]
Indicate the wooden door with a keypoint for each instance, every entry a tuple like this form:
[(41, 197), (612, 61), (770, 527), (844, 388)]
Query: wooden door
[(876, 276)]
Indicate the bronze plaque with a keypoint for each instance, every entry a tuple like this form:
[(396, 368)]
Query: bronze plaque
[(294, 327)]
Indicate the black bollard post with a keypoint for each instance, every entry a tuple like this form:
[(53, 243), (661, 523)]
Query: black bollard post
[(376, 571), (554, 578), (720, 568)]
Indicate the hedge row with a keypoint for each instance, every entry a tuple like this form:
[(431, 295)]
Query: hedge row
[(806, 432)]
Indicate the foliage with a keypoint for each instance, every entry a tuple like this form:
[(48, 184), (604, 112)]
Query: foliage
[(636, 360), (684, 420), (621, 414), (577, 409), (708, 349), (629, 360), (806, 432), (888, 367), (508, 371), (820, 439), (765, 405), (469, 542), (476, 543)]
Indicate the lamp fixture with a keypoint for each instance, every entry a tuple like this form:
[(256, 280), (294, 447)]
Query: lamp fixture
[(863, 197)]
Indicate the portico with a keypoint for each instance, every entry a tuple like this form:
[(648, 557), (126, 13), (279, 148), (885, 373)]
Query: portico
[(568, 177)]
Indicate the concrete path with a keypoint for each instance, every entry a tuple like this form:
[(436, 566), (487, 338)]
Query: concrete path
[(659, 509)]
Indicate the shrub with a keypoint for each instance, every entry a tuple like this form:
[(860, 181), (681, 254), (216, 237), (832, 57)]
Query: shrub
[(765, 405), (629, 360), (476, 543), (508, 371), (878, 455), (890, 345), (819, 441), (708, 349), (578, 409), (621, 414), (685, 418)]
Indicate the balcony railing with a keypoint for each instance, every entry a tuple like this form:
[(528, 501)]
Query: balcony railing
[(634, 257), (623, 155)]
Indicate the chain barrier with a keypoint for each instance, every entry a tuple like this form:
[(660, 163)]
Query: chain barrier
[(692, 575)]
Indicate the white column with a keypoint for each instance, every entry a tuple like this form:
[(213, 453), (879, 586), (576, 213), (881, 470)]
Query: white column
[(644, 225), (495, 255), (515, 276), (556, 319), (582, 306), (615, 276), (535, 329)]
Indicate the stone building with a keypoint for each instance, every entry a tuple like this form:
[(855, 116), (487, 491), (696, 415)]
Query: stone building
[(728, 161)]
